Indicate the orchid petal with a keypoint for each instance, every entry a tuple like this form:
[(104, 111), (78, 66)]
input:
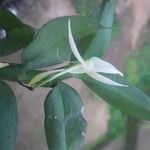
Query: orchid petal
[(105, 80), (3, 65), (102, 66), (73, 45), (41, 76)]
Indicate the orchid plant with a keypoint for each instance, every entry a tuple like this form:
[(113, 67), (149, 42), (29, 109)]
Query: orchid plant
[(92, 67), (65, 125)]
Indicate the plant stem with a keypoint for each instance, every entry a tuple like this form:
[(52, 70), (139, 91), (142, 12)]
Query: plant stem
[(131, 136)]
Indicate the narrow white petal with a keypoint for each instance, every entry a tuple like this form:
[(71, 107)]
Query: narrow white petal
[(3, 65), (105, 80), (38, 78), (102, 66), (41, 76), (73, 45)]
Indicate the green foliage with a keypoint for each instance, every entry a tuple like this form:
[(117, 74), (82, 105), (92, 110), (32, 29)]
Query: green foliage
[(97, 43), (8, 118), (18, 34), (50, 46), (129, 99), (64, 122), (12, 72)]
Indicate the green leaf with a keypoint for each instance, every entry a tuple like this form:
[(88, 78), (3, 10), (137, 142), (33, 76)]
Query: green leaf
[(50, 46), (8, 20), (13, 72), (64, 122), (18, 34), (97, 43), (8, 118), (129, 99)]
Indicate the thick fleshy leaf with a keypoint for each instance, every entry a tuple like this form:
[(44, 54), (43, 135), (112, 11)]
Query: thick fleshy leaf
[(96, 44), (8, 20), (18, 34), (50, 46), (8, 118), (12, 72), (64, 122), (129, 99)]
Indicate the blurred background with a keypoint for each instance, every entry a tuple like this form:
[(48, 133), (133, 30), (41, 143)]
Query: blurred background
[(128, 51)]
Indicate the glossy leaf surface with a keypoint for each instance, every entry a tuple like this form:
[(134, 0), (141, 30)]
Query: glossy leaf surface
[(64, 122), (50, 46), (97, 43), (18, 34), (8, 118), (129, 99)]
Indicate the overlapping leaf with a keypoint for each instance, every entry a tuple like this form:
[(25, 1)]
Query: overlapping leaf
[(18, 34), (97, 43), (8, 118), (129, 99), (50, 46), (64, 122)]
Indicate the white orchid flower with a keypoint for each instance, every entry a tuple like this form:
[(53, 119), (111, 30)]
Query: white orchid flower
[(92, 67), (3, 65)]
